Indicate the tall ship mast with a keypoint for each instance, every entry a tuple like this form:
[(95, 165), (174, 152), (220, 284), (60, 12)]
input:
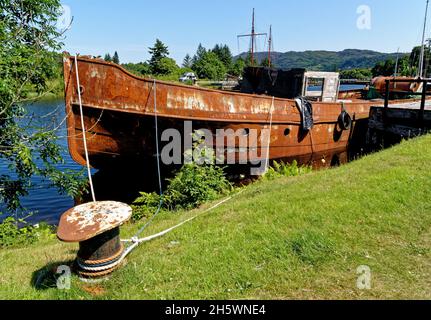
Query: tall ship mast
[(270, 47), (253, 36), (422, 56)]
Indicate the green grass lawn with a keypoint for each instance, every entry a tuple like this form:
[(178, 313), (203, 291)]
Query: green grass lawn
[(292, 238)]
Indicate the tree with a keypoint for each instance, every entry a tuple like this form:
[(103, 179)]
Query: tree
[(238, 67), (187, 62), (108, 57), (415, 56), (116, 58), (387, 68), (408, 65), (158, 52), (404, 67), (264, 62), (209, 66), (384, 68), (28, 60), (140, 69), (224, 54), (414, 60), (200, 52), (359, 74), (166, 66)]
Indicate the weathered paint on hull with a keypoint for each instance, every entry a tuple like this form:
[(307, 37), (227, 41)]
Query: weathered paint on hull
[(119, 115)]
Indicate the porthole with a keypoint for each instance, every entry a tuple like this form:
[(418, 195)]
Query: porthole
[(246, 132), (81, 90)]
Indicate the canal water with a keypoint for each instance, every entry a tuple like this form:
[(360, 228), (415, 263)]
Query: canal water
[(44, 201)]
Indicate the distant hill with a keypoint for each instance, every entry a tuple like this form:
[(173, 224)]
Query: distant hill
[(327, 60)]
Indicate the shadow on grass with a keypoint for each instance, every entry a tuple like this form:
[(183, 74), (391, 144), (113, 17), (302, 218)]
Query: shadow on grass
[(47, 277)]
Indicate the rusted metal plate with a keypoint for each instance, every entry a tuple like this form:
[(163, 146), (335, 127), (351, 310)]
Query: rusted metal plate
[(110, 87), (92, 219), (125, 130)]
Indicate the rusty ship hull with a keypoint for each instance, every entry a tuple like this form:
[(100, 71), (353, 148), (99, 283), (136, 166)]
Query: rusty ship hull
[(119, 116)]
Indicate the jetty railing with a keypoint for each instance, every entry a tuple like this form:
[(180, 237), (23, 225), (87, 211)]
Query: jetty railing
[(423, 94)]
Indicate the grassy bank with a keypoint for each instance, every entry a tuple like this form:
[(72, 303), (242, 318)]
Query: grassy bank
[(293, 238)]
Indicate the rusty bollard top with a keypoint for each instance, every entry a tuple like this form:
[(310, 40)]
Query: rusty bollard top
[(91, 219)]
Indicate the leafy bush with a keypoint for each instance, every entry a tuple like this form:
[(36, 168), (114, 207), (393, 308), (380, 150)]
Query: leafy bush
[(11, 235), (281, 169), (145, 206), (192, 186), (195, 185)]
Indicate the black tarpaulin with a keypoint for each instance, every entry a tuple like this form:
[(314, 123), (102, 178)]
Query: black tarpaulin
[(306, 110)]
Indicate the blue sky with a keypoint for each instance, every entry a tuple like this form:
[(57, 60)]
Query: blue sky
[(131, 26)]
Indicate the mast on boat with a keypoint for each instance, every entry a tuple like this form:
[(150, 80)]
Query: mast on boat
[(422, 56), (269, 46), (253, 36)]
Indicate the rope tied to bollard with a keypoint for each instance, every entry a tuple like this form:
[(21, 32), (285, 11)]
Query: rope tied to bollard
[(100, 265), (84, 137)]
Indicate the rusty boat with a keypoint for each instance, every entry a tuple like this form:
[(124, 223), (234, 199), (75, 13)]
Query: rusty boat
[(119, 115)]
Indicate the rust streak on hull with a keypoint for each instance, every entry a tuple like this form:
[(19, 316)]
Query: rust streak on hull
[(119, 115)]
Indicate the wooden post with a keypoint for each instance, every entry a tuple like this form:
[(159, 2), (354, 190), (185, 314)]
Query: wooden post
[(423, 101), (385, 109), (387, 94)]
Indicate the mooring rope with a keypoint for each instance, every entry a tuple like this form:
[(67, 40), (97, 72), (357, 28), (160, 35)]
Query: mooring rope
[(87, 158), (156, 125), (270, 134), (136, 242), (161, 202), (107, 265)]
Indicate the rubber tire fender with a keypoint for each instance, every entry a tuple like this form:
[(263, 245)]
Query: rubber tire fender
[(345, 121)]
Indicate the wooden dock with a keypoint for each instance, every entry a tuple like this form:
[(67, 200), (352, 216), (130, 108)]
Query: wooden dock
[(402, 121), (395, 122)]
